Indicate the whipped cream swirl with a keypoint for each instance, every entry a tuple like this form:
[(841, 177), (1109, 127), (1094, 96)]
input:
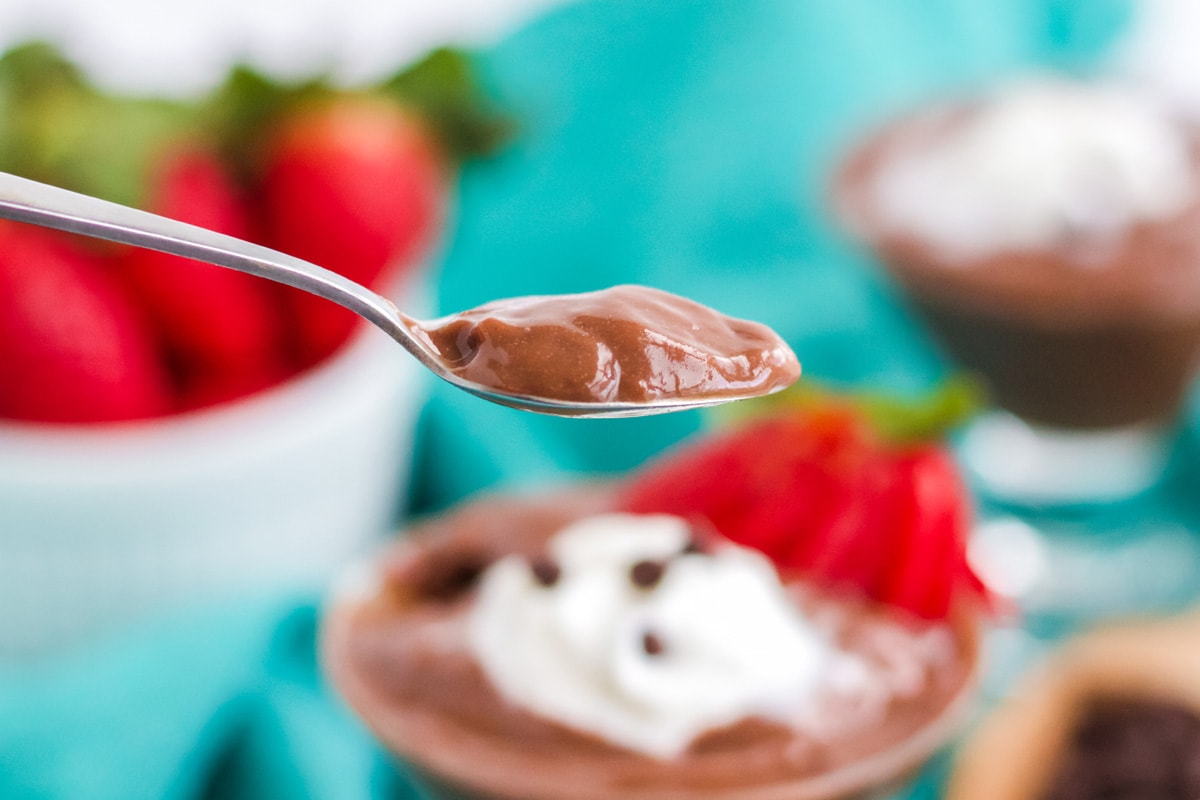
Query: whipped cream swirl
[(626, 632), (1045, 161)]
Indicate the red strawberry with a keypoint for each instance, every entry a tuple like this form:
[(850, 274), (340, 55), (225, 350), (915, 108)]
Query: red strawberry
[(843, 555), (221, 328), (354, 186), (72, 346), (821, 494), (930, 526), (770, 485)]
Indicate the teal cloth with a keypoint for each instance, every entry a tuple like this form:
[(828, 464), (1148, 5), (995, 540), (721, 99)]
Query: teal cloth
[(688, 145), (677, 143)]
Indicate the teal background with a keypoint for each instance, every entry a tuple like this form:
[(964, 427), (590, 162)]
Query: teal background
[(687, 145), (683, 144)]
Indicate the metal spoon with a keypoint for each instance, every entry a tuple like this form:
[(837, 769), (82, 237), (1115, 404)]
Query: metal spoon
[(29, 201)]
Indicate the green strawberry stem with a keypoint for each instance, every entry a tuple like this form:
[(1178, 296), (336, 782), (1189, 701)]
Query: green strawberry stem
[(897, 420), (56, 126), (443, 87)]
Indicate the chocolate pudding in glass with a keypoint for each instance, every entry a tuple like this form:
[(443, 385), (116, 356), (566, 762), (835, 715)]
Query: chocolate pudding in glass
[(546, 648), (1049, 234)]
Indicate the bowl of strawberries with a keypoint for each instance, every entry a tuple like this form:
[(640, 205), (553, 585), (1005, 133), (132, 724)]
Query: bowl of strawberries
[(171, 431)]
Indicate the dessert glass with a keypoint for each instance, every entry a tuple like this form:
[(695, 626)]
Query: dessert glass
[(1084, 318), (477, 746), (1069, 281)]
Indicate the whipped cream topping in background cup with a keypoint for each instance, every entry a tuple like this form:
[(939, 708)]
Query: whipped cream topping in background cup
[(580, 651), (1042, 160), (103, 526), (1158, 52), (700, 641)]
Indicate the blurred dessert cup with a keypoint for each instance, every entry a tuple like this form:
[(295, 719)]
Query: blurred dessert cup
[(546, 648), (1049, 235)]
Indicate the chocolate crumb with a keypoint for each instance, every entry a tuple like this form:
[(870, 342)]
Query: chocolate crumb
[(652, 644), (646, 574), (545, 571)]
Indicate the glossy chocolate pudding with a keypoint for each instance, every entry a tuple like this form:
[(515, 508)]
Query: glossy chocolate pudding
[(1127, 747), (397, 654), (629, 344), (1099, 328)]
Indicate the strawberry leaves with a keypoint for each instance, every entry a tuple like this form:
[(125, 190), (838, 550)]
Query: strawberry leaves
[(442, 88), (56, 127), (894, 419)]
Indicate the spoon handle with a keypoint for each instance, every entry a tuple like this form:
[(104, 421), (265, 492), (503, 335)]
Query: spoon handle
[(29, 201)]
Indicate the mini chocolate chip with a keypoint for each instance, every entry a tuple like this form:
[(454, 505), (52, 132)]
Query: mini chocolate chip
[(694, 547), (646, 574), (652, 644), (446, 577), (545, 571)]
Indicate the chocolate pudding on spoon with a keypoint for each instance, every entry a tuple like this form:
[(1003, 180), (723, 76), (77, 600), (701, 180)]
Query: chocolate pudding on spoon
[(629, 345)]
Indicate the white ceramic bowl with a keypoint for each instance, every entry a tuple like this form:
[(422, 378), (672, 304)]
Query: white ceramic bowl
[(101, 526)]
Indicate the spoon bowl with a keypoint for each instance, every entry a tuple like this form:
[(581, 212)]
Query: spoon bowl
[(29, 201), (565, 408)]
